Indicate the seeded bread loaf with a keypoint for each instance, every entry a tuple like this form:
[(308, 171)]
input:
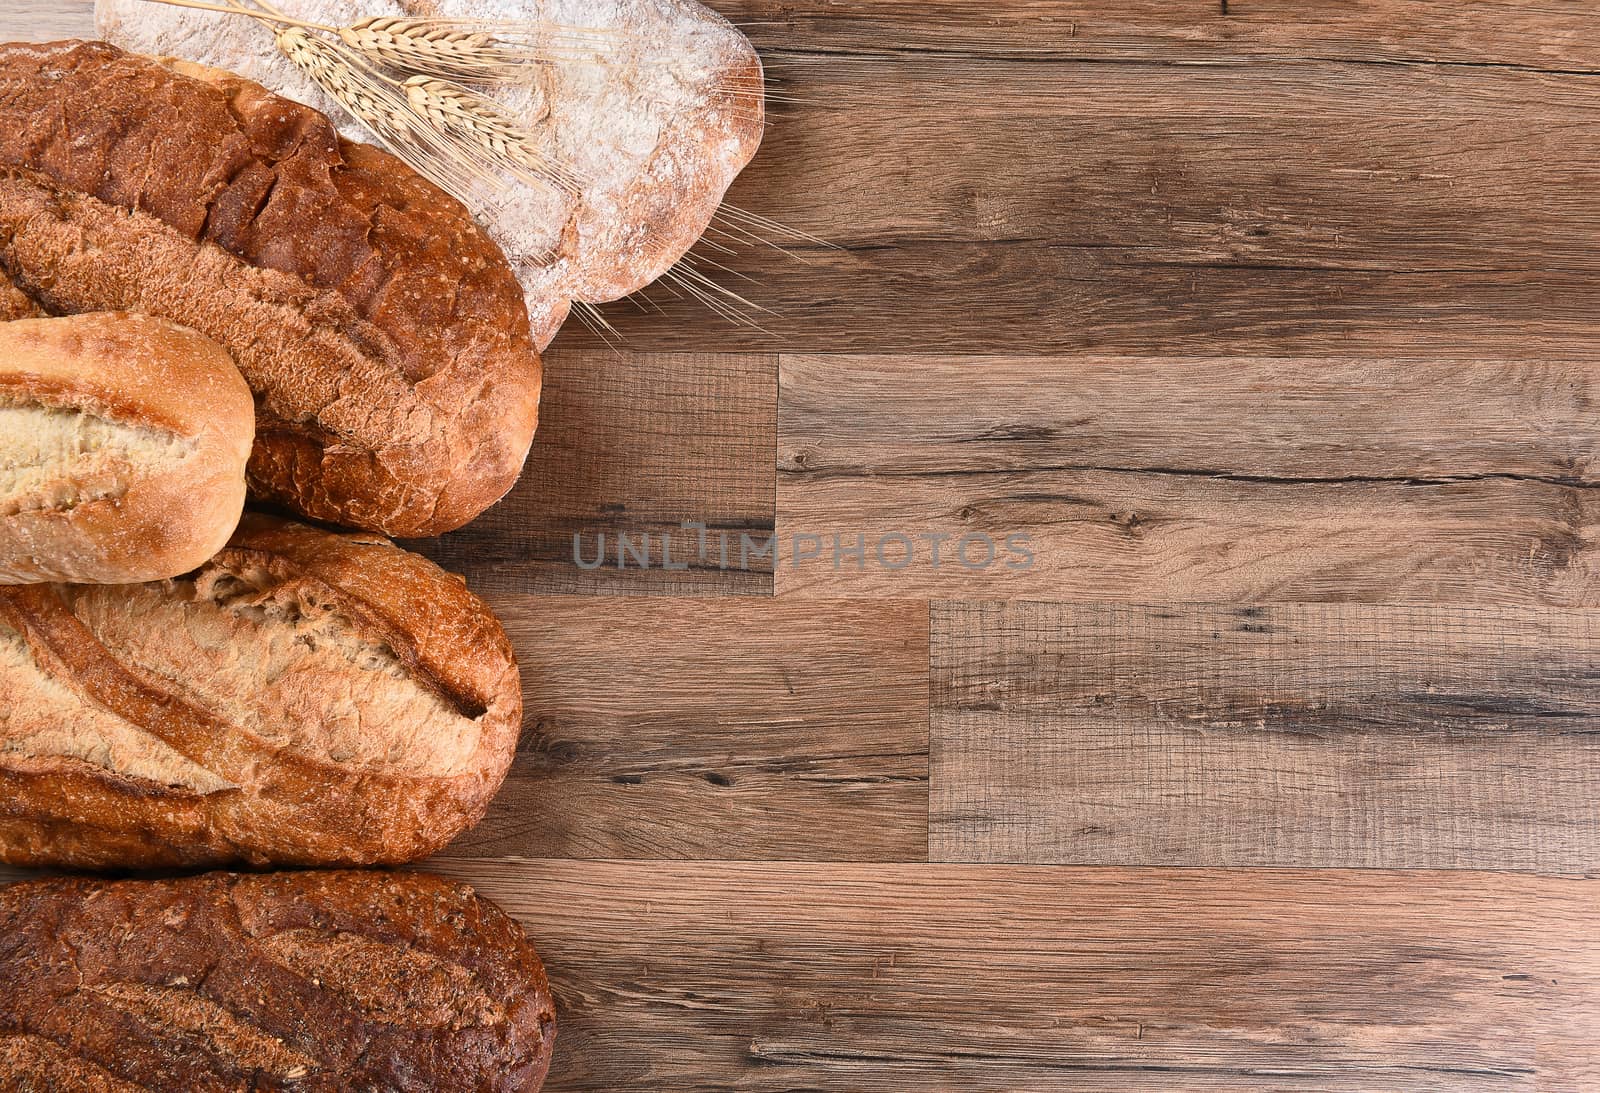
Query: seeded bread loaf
[(384, 335), (123, 441), (303, 698), (323, 982)]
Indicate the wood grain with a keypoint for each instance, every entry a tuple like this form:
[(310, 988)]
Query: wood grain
[(771, 977), (1308, 735), (1557, 35), (740, 728), (1256, 207), (634, 445), (1554, 36), (1157, 480)]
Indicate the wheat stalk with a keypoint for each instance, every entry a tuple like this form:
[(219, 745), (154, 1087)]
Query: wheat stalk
[(412, 46), (461, 141), (370, 97), (455, 49), (465, 50), (481, 123), (458, 139)]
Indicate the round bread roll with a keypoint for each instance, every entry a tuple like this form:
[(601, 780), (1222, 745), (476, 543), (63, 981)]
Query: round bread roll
[(123, 444)]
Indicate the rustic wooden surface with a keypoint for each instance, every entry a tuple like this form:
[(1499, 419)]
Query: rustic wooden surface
[(1177, 479), (1314, 735), (640, 446), (689, 728), (1273, 327)]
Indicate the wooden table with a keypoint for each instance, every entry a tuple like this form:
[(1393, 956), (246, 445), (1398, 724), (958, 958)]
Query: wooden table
[(1273, 327)]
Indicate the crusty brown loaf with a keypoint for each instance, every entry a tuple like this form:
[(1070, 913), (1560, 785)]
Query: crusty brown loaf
[(316, 982), (304, 698), (123, 441), (383, 333), (16, 304)]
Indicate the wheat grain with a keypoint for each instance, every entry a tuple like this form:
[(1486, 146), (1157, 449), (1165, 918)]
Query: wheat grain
[(371, 99), (321, 61), (460, 140), (474, 51), (415, 46), (472, 117)]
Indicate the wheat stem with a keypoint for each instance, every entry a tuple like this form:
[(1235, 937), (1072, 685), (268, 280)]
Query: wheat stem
[(250, 13)]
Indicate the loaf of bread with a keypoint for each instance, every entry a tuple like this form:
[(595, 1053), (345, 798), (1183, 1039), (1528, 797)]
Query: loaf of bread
[(653, 106), (303, 698), (123, 442), (384, 335), (325, 982)]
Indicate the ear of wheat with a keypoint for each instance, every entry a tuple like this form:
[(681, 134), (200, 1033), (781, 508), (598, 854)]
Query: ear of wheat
[(444, 159), (454, 49), (481, 124), (476, 52), (460, 140), (410, 46)]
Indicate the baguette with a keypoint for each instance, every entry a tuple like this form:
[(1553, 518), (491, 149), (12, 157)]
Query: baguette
[(321, 982), (384, 335), (304, 698), (123, 442)]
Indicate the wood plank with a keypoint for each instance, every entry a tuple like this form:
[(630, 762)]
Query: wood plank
[(1558, 35), (1210, 480), (634, 445), (737, 728), (1271, 207), (780, 977), (1340, 735), (1270, 164), (46, 20)]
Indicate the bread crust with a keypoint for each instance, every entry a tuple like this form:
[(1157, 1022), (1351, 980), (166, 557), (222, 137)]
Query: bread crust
[(267, 779), (321, 982), (382, 331), (155, 518)]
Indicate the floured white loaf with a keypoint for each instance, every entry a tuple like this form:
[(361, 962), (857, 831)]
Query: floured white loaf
[(654, 105), (123, 444)]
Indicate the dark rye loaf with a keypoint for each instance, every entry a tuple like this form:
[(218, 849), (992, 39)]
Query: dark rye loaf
[(313, 982), (383, 333), (304, 698)]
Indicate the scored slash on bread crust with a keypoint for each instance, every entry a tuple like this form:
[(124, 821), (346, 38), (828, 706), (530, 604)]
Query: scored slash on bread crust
[(123, 441), (325, 982), (382, 331), (305, 698)]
